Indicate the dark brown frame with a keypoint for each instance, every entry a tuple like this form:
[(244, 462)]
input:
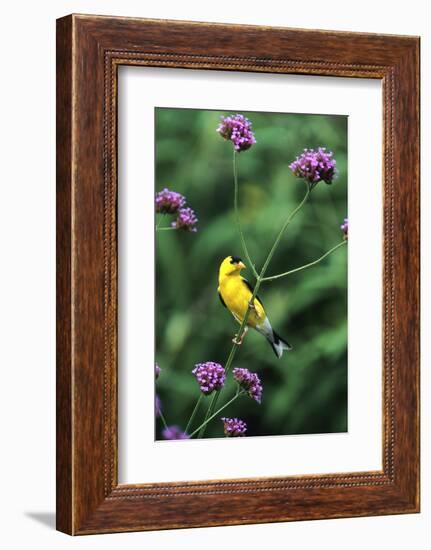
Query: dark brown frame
[(89, 51)]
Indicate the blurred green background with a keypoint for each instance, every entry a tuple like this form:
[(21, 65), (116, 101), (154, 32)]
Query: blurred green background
[(306, 390)]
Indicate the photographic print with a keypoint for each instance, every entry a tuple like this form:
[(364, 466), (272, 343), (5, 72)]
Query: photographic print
[(203, 238), (251, 274)]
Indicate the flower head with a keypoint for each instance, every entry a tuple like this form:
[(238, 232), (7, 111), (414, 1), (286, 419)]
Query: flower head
[(157, 370), (250, 382), (169, 202), (174, 432), (234, 427), (315, 166), (186, 220), (157, 406), (345, 227), (210, 376), (238, 130)]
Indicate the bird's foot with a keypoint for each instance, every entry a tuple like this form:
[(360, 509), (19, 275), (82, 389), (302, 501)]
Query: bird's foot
[(238, 341)]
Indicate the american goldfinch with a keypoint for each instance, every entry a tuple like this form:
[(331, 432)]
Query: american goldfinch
[(235, 293)]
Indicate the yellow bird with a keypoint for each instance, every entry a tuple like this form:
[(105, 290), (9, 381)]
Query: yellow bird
[(235, 294)]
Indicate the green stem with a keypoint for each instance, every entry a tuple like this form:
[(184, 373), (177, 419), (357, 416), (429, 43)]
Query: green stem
[(259, 280), (165, 228), (306, 266), (195, 410), (282, 230), (209, 410), (205, 422), (159, 221), (238, 222), (162, 418)]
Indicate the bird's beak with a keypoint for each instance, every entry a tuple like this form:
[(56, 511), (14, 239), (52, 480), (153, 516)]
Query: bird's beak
[(241, 265)]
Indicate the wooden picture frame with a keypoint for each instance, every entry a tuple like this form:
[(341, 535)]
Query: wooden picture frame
[(89, 51)]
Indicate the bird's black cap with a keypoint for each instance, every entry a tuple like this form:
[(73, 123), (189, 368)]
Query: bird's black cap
[(235, 260)]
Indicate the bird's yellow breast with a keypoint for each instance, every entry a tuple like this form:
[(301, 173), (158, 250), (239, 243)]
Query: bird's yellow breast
[(236, 295)]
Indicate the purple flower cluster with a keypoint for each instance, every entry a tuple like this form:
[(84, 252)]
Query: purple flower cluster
[(315, 166), (186, 220), (210, 376), (157, 371), (234, 427), (345, 227), (250, 382), (169, 202), (174, 432), (238, 130)]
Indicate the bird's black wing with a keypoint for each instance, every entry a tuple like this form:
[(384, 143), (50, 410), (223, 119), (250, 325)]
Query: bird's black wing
[(251, 289), (221, 299)]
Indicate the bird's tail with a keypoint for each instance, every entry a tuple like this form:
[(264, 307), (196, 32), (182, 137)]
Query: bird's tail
[(278, 344)]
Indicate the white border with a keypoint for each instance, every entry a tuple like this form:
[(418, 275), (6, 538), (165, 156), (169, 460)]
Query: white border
[(141, 459)]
